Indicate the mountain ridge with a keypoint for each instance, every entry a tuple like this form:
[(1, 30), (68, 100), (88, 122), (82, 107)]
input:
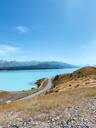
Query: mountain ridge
[(28, 65)]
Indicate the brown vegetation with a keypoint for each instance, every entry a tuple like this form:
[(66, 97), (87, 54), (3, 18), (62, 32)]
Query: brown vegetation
[(76, 90)]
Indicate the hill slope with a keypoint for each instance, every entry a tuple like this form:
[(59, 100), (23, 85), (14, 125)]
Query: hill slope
[(83, 77), (71, 103)]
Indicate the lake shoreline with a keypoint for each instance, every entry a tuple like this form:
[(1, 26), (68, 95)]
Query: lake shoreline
[(10, 96), (20, 80), (71, 101)]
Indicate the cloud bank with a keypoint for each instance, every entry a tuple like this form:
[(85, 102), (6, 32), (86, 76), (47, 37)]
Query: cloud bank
[(22, 29), (7, 49)]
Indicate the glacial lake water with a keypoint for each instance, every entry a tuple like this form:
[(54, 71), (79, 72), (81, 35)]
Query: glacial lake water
[(22, 80)]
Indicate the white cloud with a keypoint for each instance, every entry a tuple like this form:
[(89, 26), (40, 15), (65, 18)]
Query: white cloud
[(22, 29), (8, 49)]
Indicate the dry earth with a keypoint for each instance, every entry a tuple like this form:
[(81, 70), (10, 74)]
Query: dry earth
[(71, 103)]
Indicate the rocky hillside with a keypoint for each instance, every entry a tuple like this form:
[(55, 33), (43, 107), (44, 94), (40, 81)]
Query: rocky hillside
[(82, 77), (71, 103)]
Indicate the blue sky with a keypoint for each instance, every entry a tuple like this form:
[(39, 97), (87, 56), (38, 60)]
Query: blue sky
[(46, 30)]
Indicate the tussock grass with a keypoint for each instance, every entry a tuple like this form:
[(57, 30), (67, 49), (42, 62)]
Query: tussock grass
[(46, 102)]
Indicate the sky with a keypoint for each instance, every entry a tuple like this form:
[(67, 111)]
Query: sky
[(48, 30)]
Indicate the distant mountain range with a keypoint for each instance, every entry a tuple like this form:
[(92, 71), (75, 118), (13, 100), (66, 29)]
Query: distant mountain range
[(16, 65)]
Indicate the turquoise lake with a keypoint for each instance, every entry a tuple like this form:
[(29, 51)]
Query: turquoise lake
[(22, 80)]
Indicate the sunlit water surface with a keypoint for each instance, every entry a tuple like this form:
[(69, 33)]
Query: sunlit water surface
[(22, 80)]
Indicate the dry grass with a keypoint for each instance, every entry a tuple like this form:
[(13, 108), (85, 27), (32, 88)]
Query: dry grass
[(44, 102), (5, 94), (69, 91), (83, 73), (13, 96)]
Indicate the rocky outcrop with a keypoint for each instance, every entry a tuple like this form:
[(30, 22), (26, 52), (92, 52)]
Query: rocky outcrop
[(71, 117)]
